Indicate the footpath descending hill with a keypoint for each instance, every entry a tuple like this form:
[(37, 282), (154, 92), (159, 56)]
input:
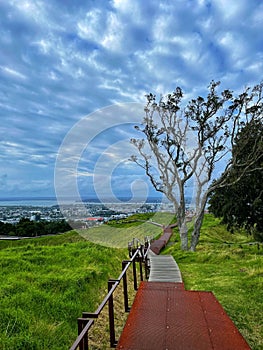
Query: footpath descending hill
[(166, 316)]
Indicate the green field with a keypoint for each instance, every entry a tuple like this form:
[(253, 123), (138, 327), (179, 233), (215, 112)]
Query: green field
[(47, 282), (119, 234)]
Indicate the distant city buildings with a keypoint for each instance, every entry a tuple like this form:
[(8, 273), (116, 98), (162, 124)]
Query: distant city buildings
[(83, 215), (13, 214), (90, 212)]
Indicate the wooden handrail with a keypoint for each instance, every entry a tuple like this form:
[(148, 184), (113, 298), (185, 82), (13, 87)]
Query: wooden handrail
[(137, 254), (79, 342)]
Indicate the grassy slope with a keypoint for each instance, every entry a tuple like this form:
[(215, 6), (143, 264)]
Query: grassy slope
[(46, 284), (119, 235), (232, 269)]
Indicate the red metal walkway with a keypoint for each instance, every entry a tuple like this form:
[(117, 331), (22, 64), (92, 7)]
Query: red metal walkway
[(164, 316)]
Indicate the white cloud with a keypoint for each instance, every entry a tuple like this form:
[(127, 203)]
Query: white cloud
[(44, 45), (121, 5), (14, 73), (231, 9), (61, 60), (90, 27), (113, 36)]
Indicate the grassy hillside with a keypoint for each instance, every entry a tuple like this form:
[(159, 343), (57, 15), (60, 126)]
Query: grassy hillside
[(46, 284), (119, 234), (232, 268)]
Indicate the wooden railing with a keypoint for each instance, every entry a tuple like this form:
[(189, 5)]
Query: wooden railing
[(138, 254)]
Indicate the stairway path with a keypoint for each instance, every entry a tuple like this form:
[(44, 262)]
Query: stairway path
[(165, 316), (163, 268)]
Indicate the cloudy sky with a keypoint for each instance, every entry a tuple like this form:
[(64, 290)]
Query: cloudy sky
[(65, 60)]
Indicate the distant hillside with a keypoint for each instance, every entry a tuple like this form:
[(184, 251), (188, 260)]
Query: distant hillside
[(118, 233)]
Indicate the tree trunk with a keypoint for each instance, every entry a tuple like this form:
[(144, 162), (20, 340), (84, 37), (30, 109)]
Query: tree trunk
[(184, 235), (183, 229), (196, 232)]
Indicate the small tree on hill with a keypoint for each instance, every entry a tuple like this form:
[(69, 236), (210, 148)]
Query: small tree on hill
[(183, 142)]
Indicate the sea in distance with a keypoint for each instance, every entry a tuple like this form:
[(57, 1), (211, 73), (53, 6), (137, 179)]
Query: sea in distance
[(30, 202), (52, 201)]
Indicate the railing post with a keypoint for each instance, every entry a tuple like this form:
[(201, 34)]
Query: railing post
[(83, 345), (113, 342), (140, 266), (134, 274), (141, 261), (136, 254), (125, 288), (146, 265)]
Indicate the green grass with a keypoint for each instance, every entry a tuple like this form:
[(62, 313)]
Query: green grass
[(46, 284), (232, 268), (118, 235)]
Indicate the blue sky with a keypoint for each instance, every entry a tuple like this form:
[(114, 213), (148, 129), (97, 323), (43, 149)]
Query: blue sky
[(62, 60)]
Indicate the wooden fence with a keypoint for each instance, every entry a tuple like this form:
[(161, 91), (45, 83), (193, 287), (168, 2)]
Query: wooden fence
[(138, 254)]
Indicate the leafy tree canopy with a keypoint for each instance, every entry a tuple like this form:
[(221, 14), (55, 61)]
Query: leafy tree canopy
[(240, 202), (182, 142)]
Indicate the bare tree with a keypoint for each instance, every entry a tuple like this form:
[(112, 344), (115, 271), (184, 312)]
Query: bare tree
[(182, 144)]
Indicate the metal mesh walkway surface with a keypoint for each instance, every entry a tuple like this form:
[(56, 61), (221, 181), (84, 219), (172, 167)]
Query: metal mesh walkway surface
[(163, 268), (164, 316)]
